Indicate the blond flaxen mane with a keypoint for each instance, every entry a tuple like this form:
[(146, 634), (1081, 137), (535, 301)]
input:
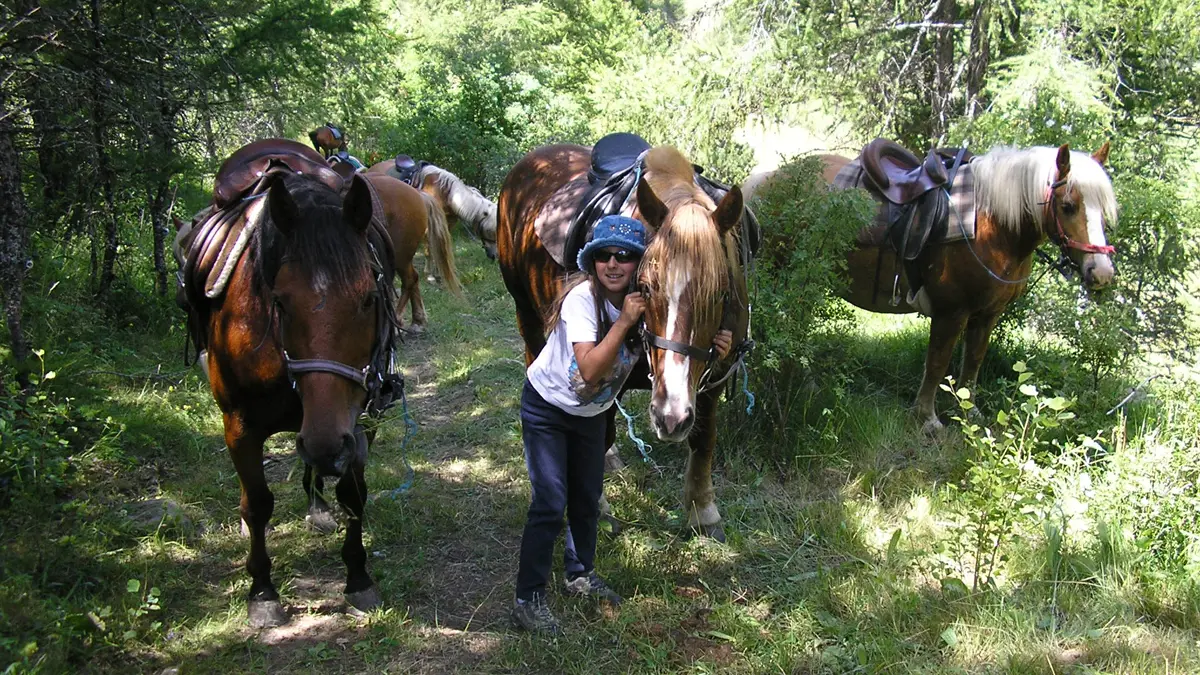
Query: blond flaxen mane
[(1012, 184), (463, 200)]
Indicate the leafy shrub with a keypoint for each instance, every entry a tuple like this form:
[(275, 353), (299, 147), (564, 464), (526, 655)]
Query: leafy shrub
[(808, 231)]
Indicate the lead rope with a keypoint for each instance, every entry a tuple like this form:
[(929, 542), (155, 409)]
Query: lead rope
[(643, 447), (410, 430)]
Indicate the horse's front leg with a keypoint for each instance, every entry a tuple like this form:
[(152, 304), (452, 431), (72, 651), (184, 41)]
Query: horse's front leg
[(320, 516), (698, 496), (361, 591), (246, 451), (975, 344), (943, 333)]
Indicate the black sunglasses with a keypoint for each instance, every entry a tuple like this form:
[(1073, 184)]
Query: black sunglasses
[(621, 256)]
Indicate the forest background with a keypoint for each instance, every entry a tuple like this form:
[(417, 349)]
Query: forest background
[(114, 115)]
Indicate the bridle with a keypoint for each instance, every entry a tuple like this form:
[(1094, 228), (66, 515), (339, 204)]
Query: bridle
[(707, 356), (379, 378), (1058, 236)]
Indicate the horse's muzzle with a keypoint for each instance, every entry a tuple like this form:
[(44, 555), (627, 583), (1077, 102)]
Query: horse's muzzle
[(330, 457), (1098, 271)]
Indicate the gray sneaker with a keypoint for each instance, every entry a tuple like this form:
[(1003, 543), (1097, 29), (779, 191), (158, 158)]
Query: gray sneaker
[(534, 616), (592, 586)]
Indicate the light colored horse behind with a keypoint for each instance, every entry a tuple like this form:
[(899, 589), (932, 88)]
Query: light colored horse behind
[(457, 200)]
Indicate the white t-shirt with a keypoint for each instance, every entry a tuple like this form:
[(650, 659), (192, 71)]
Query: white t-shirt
[(554, 373)]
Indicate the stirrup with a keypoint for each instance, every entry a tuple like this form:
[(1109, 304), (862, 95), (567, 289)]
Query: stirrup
[(896, 291)]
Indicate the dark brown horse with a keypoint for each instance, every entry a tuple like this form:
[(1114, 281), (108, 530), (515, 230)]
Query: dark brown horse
[(691, 276), (328, 139), (1021, 198), (300, 338)]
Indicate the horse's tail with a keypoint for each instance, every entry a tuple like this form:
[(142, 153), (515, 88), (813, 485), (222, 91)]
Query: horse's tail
[(441, 246), (312, 136)]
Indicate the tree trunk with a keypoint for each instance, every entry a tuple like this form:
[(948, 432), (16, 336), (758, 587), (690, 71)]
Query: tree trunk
[(943, 70), (103, 163), (979, 57), (13, 258)]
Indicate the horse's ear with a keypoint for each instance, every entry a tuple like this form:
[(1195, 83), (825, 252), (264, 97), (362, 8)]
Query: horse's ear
[(281, 206), (1101, 155), (178, 223), (653, 211), (1064, 161), (729, 211), (356, 208)]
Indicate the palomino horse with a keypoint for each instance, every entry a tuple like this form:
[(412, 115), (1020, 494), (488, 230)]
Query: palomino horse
[(328, 139), (692, 279), (1021, 198), (456, 198), (300, 335)]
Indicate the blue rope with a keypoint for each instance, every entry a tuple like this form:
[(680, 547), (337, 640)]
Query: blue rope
[(746, 390), (643, 447), (410, 430)]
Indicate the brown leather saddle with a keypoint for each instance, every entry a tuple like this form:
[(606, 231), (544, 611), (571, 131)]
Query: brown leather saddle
[(900, 176), (244, 167)]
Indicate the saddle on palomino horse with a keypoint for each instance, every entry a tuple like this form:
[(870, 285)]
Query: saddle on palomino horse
[(916, 200), (610, 188)]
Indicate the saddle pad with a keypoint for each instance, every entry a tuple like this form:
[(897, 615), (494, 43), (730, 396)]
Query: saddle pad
[(962, 198)]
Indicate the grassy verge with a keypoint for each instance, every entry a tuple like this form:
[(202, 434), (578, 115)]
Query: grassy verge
[(851, 535)]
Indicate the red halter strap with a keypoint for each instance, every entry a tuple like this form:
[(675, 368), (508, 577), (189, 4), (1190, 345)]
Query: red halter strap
[(1064, 242)]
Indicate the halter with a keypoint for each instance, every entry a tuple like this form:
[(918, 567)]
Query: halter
[(1064, 242), (1059, 237)]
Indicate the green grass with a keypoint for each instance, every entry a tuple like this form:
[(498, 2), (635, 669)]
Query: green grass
[(838, 513)]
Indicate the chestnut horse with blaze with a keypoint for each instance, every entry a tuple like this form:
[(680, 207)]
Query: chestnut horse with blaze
[(1022, 197), (691, 276), (302, 336)]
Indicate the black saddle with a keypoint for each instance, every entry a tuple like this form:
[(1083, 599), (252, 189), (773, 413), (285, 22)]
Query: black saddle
[(616, 166), (406, 168), (615, 153)]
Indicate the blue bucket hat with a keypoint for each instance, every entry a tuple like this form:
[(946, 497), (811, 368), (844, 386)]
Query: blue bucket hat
[(627, 233)]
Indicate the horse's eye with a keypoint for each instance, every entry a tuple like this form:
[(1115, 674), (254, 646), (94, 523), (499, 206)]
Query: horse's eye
[(1069, 208), (368, 302)]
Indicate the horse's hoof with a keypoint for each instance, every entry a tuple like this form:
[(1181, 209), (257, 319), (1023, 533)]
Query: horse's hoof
[(266, 613), (715, 531), (612, 460), (615, 525), (415, 329), (932, 426), (364, 600), (322, 521)]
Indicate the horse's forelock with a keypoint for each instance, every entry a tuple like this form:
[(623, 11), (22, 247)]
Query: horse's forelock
[(321, 244), (688, 246)]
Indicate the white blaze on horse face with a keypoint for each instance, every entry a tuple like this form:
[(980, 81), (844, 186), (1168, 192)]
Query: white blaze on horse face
[(1101, 265), (675, 366)]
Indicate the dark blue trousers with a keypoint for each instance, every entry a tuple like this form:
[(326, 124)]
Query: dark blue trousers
[(565, 458)]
